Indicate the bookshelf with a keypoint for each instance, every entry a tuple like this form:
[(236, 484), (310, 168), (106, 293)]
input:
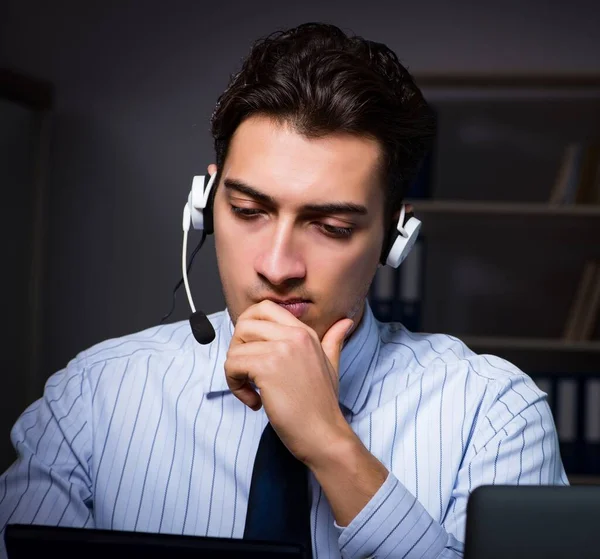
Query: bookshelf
[(532, 344), (583, 480), (508, 231), (503, 167), (458, 207)]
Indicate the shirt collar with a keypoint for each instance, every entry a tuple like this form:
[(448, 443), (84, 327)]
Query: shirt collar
[(357, 361)]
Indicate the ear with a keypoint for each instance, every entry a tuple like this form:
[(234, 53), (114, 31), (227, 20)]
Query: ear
[(212, 169), (396, 216), (389, 237)]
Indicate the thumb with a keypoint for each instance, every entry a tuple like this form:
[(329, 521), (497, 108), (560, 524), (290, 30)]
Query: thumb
[(334, 339)]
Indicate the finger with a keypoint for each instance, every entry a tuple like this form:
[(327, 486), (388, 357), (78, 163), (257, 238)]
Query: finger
[(333, 341), (261, 348), (238, 380), (248, 396), (252, 330), (270, 311)]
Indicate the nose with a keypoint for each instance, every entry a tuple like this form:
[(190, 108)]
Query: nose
[(280, 260)]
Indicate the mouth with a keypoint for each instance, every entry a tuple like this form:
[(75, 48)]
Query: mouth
[(298, 307)]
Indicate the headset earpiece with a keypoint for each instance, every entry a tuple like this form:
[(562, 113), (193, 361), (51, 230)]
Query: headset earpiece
[(200, 203), (401, 239), (198, 214)]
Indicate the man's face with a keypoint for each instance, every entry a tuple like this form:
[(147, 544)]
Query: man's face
[(298, 220)]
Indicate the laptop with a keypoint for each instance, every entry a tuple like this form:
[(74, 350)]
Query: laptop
[(533, 522), (27, 541)]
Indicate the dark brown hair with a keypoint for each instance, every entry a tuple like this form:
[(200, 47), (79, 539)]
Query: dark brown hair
[(322, 81)]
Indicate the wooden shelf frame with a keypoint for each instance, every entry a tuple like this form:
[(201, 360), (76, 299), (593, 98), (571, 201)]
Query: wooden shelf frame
[(531, 344), (501, 84), (459, 207), (576, 479), (506, 80)]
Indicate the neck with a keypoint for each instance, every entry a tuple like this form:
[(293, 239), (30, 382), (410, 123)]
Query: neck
[(357, 318)]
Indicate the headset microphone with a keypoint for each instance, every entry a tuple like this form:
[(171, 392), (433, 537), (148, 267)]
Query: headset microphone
[(193, 214), (197, 214), (202, 329)]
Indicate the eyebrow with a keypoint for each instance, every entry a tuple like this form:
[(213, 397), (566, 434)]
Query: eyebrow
[(327, 208)]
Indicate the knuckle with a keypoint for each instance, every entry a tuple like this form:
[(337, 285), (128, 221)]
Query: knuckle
[(232, 362), (240, 327), (302, 337), (266, 304), (284, 348), (271, 362)]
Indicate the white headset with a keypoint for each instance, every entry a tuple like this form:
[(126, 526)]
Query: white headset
[(405, 237), (197, 213)]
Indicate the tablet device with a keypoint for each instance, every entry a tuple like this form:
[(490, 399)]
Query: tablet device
[(24, 541)]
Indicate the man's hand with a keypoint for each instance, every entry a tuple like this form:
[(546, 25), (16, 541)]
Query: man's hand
[(298, 378), (297, 375)]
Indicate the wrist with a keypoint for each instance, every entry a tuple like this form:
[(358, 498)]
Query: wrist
[(349, 475), (337, 449)]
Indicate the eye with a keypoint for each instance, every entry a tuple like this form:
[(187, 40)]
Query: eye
[(336, 232), (245, 213)]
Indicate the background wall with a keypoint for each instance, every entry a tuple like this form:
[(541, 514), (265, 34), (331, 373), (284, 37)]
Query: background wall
[(136, 83)]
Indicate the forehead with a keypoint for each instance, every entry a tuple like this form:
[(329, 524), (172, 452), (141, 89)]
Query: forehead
[(290, 167)]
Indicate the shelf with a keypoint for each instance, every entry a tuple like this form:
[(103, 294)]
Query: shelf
[(576, 479), (445, 87), (530, 344), (507, 208), (511, 81)]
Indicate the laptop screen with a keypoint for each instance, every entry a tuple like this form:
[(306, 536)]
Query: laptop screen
[(533, 522)]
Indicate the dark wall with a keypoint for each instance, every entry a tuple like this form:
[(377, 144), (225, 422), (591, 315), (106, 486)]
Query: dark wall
[(136, 84)]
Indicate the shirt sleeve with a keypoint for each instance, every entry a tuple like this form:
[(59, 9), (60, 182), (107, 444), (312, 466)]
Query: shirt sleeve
[(514, 443), (49, 483)]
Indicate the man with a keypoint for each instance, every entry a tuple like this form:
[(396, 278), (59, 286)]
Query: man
[(316, 139)]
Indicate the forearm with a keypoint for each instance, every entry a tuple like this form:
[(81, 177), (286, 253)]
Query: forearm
[(374, 513), (349, 475)]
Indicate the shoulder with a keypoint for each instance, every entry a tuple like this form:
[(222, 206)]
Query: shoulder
[(439, 356), (164, 339), (485, 395), (153, 350)]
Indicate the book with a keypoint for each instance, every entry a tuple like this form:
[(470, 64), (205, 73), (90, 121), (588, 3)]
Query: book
[(421, 187), (396, 294), (408, 301), (588, 176), (566, 410), (590, 314), (572, 398), (565, 185), (582, 312), (592, 419), (381, 294), (578, 176)]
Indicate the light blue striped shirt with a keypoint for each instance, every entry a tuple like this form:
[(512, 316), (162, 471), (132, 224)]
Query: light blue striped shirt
[(141, 433)]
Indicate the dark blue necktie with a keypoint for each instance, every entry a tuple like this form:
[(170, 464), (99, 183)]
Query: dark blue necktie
[(278, 504)]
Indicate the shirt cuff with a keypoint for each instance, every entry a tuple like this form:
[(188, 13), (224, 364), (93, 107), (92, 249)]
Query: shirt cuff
[(392, 522)]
